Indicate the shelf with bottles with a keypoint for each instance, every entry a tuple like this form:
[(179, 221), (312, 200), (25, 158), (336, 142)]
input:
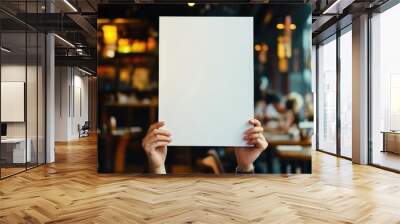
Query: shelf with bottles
[(128, 77), (147, 59), (145, 108)]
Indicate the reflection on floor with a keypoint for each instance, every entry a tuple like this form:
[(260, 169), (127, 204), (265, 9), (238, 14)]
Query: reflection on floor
[(71, 191), (9, 170), (387, 159)]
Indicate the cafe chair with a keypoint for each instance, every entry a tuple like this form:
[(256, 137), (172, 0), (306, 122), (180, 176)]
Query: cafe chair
[(212, 162), (84, 130)]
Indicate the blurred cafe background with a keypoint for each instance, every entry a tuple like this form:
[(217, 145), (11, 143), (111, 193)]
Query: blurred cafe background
[(127, 48)]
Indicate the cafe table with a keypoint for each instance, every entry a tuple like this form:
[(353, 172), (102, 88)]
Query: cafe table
[(274, 139)]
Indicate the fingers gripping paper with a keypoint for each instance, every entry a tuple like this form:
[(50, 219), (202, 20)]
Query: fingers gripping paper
[(206, 79)]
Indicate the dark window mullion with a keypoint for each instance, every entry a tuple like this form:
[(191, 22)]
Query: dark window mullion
[(338, 98), (26, 86), (316, 97), (37, 89), (369, 100)]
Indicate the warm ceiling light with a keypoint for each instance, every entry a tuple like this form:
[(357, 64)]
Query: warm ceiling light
[(70, 5), (65, 41), (257, 47), (110, 34), (123, 46), (102, 20), (5, 50), (191, 4), (264, 47), (292, 26), (280, 26), (121, 20), (109, 52)]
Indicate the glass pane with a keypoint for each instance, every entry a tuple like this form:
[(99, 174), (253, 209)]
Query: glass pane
[(41, 98), (346, 94), (32, 85), (13, 85), (314, 90), (385, 86), (31, 97), (327, 97)]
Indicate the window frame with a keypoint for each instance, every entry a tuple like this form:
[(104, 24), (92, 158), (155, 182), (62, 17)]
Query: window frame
[(334, 37)]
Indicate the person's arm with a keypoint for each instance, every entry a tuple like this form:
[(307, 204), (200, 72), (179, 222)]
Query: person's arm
[(155, 145), (246, 156)]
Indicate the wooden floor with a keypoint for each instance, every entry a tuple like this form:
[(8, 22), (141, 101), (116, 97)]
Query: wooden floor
[(70, 191), (5, 172)]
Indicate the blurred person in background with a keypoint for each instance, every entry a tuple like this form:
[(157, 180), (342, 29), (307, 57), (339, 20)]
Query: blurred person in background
[(268, 109), (260, 110), (292, 115), (309, 107)]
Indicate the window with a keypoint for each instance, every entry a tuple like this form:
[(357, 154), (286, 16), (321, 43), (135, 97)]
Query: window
[(385, 89), (327, 97), (346, 94)]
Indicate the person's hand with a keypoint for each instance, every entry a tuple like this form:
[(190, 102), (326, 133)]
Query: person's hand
[(155, 145), (246, 156)]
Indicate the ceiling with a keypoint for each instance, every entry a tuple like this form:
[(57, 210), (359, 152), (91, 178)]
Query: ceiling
[(76, 21)]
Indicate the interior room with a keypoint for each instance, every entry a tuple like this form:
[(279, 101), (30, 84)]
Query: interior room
[(72, 108), (22, 98), (80, 91)]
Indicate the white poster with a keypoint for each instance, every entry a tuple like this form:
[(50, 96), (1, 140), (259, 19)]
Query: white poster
[(206, 79)]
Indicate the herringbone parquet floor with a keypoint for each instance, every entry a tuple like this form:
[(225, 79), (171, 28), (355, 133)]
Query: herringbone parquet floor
[(70, 191)]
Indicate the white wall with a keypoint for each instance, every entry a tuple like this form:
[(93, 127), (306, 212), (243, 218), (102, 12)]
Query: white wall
[(80, 94), (71, 92), (62, 81), (33, 127)]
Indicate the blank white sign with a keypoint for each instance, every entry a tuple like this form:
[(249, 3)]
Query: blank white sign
[(206, 79), (12, 101)]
